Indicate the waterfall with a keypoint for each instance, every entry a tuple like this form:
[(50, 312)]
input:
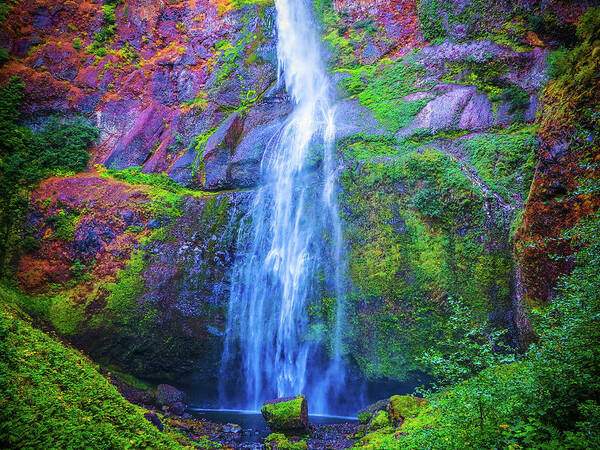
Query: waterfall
[(290, 243)]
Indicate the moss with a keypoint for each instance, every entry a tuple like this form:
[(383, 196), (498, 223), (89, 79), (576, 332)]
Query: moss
[(404, 406), (505, 162), (103, 37), (364, 417), (65, 315), (380, 420), (64, 224), (280, 441), (52, 396), (381, 88), (124, 294), (284, 414), (418, 233)]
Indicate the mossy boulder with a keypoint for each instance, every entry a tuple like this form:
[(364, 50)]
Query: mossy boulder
[(279, 441), (402, 406), (286, 414), (379, 420), (366, 414)]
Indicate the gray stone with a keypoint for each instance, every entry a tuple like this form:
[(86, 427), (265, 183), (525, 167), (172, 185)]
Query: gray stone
[(441, 113), (478, 114)]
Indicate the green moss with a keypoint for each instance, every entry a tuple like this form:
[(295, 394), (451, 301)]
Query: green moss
[(280, 441), (505, 162), (380, 420), (64, 224), (280, 415), (404, 406), (418, 233), (64, 315), (365, 417), (103, 37), (124, 294), (381, 88), (51, 396)]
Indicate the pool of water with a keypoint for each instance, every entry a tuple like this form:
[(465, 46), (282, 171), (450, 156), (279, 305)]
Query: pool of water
[(253, 424)]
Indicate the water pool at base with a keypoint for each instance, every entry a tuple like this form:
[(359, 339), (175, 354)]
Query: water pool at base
[(253, 424)]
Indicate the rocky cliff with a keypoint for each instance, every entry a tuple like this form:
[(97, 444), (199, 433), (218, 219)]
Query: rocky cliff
[(457, 172)]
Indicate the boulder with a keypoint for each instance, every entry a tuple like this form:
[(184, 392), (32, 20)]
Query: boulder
[(402, 406), (167, 395), (177, 408), (443, 112), (366, 414), (154, 420), (390, 411), (379, 420), (286, 414), (478, 114)]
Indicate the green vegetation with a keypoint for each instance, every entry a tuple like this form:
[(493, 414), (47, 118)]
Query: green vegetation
[(505, 162), (51, 396), (548, 400), (419, 235), (382, 87), (479, 19), (284, 415), (103, 37), (279, 441), (26, 157)]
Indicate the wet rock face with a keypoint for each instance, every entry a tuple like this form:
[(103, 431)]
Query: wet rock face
[(161, 67), (288, 414)]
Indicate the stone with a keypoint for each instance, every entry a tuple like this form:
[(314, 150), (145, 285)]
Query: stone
[(288, 414), (167, 395), (177, 408), (478, 114), (232, 428), (402, 406), (379, 420), (443, 112), (366, 414), (154, 420)]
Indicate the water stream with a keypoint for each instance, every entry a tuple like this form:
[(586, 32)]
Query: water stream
[(290, 245)]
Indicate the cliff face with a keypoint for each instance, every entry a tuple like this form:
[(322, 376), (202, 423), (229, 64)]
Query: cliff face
[(445, 152)]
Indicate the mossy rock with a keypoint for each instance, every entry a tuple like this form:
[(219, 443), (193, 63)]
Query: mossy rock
[(286, 414), (364, 417), (279, 441), (366, 414), (380, 420), (402, 406)]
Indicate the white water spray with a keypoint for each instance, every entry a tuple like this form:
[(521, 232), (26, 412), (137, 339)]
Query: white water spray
[(289, 240)]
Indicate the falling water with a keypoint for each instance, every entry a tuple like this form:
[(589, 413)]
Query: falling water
[(290, 242)]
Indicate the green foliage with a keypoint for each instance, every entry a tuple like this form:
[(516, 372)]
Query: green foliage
[(6, 7), (51, 396), (548, 400), (26, 157), (505, 162), (467, 347), (4, 55), (382, 87), (431, 13), (418, 234), (103, 37), (64, 224), (280, 441)]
